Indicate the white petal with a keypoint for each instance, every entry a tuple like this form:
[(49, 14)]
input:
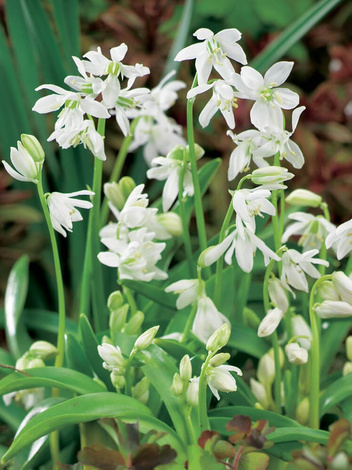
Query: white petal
[(203, 33), (259, 114), (252, 78), (278, 73), (288, 99), (190, 52), (208, 111)]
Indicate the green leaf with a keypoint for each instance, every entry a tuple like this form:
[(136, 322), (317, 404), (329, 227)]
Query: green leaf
[(154, 293), (246, 340), (66, 16), (15, 297), (75, 356), (76, 410), (331, 340), (278, 48), (90, 344), (12, 415), (58, 377), (338, 391)]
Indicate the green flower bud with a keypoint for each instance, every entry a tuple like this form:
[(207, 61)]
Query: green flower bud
[(259, 391), (115, 300), (114, 194), (220, 338), (266, 370), (349, 347), (347, 368), (23, 362), (146, 338), (33, 147), (302, 411), (141, 390), (219, 359), (303, 198), (118, 381), (43, 349), (171, 222), (134, 324), (177, 385), (327, 291), (118, 318), (35, 362), (176, 153), (185, 368), (126, 185), (271, 175)]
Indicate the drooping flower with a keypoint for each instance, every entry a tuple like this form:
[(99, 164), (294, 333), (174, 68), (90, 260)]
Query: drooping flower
[(270, 322), (269, 99), (62, 208), (219, 379), (188, 290), (26, 169), (214, 51), (208, 319), (334, 309), (341, 239), (278, 294), (113, 358), (296, 354)]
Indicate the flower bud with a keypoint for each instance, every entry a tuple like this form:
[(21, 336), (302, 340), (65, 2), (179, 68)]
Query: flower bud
[(117, 380), (219, 359), (278, 294), (171, 222), (126, 185), (114, 194), (177, 385), (348, 345), (192, 393), (259, 391), (43, 349), (302, 411), (269, 323), (295, 354), (198, 151), (281, 355), (112, 356), (341, 461), (327, 291), (134, 323), (141, 390), (33, 147), (35, 362), (333, 309), (343, 285), (186, 368), (271, 175), (301, 328), (177, 152), (115, 300), (23, 362), (304, 198), (266, 370), (118, 318), (219, 338), (347, 368), (146, 338)]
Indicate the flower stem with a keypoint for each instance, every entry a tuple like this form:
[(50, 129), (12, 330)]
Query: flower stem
[(116, 172), (314, 358), (202, 395)]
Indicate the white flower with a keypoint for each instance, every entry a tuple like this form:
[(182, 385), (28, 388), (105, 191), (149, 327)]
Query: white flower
[(333, 309), (341, 239), (301, 328), (277, 140), (223, 99), (135, 255), (269, 100), (87, 84), (343, 285), (85, 133), (219, 379), (295, 264), (313, 230), (113, 359), (270, 322), (188, 290), (27, 169), (164, 95), (277, 294), (295, 354), (208, 319), (214, 52), (247, 203), (63, 210)]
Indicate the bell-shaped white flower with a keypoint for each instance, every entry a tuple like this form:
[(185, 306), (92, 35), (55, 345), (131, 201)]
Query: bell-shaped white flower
[(208, 319), (296, 354), (188, 290), (26, 169), (223, 99), (312, 229), (301, 328), (86, 84), (343, 285), (330, 309), (219, 379), (214, 51), (113, 359), (164, 95), (295, 265), (269, 99), (270, 322), (278, 294), (341, 239), (62, 208)]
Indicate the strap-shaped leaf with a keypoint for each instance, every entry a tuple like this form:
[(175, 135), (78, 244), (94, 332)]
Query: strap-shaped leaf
[(57, 377), (246, 340), (154, 293), (338, 391)]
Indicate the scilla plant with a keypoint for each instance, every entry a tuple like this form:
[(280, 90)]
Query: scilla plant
[(152, 376)]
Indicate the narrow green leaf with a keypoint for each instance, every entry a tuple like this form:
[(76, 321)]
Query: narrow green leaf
[(338, 391), (76, 410), (90, 344), (331, 340), (154, 293), (278, 48), (246, 340), (76, 357), (12, 415), (15, 297), (66, 16), (58, 377)]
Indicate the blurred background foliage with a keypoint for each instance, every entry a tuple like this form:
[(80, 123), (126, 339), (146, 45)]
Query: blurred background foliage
[(37, 40)]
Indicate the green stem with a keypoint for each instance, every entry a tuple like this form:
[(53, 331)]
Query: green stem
[(185, 229), (202, 395), (116, 172), (194, 170), (323, 251), (314, 358), (130, 300), (128, 381)]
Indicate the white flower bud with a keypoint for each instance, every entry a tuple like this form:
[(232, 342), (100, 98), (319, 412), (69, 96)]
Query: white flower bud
[(266, 370), (192, 393), (219, 338), (281, 355), (113, 358), (22, 362), (115, 300), (270, 322), (347, 368), (295, 354), (278, 294), (301, 328), (35, 362), (177, 385), (141, 390), (343, 285), (219, 359), (348, 345), (327, 291), (118, 381), (33, 147), (304, 198), (259, 391), (43, 349), (333, 309), (146, 338), (171, 222), (302, 411), (271, 175), (185, 368), (114, 194)]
